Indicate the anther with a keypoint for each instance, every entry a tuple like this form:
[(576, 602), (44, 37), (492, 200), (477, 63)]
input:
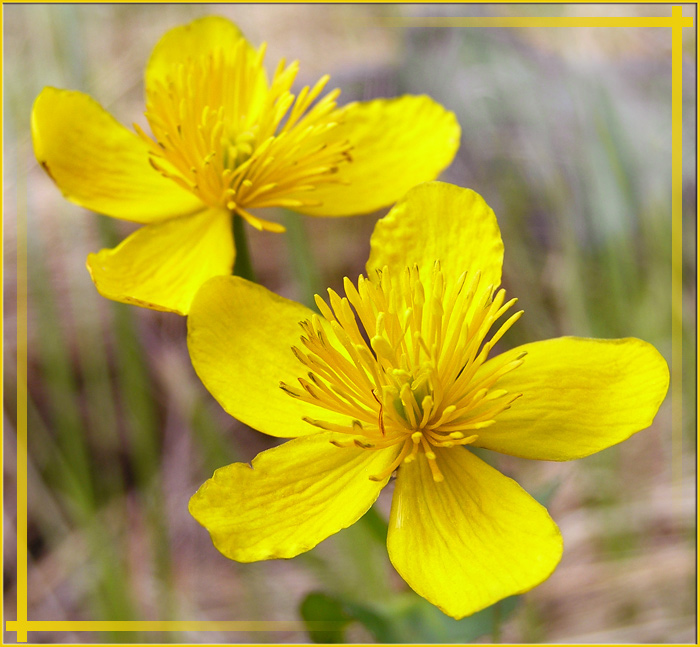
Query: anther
[(432, 464), (382, 347), (290, 391)]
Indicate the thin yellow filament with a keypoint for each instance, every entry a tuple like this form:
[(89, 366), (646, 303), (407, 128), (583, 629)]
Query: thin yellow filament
[(408, 363), (225, 134)]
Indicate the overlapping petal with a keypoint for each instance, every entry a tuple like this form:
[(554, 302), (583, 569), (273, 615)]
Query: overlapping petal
[(290, 498), (197, 38), (99, 164), (396, 144), (579, 396), (240, 338), (161, 266), (443, 222), (196, 50), (472, 539)]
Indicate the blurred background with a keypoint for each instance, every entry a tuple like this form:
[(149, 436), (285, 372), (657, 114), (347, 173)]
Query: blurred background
[(566, 132)]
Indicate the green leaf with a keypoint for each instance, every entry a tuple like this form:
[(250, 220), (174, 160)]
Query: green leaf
[(319, 607), (408, 618), (418, 621)]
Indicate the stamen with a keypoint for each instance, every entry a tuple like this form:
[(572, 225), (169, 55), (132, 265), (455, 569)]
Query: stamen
[(432, 464), (222, 133), (405, 368), (330, 426), (381, 414), (389, 470), (342, 443), (416, 438)]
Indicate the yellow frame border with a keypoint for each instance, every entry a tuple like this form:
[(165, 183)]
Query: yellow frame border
[(676, 22)]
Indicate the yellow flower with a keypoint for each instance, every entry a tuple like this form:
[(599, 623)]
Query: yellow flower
[(226, 140), (396, 376)]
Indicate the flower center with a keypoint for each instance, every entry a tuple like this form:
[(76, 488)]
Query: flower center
[(406, 362), (225, 134)]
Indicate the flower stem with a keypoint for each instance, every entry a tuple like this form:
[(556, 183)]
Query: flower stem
[(243, 266), (496, 628), (302, 259)]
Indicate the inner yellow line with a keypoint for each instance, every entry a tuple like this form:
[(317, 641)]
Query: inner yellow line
[(542, 21), (2, 347), (21, 400), (22, 624), (169, 625), (677, 255)]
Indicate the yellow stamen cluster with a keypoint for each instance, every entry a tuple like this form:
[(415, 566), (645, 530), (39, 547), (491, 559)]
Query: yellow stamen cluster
[(221, 132), (405, 362)]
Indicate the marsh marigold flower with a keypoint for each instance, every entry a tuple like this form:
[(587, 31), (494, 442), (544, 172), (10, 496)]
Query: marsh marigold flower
[(226, 140), (397, 377)]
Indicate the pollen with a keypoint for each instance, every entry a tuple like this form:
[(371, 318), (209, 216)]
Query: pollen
[(226, 134), (404, 357)]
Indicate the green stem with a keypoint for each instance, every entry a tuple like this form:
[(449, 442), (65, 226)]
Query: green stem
[(302, 259), (243, 266), (496, 629)]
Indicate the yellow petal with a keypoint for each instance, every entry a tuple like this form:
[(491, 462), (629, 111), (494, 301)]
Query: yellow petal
[(470, 540), (162, 266), (396, 144), (198, 38), (99, 164), (436, 221), (240, 338), (290, 498), (579, 396)]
